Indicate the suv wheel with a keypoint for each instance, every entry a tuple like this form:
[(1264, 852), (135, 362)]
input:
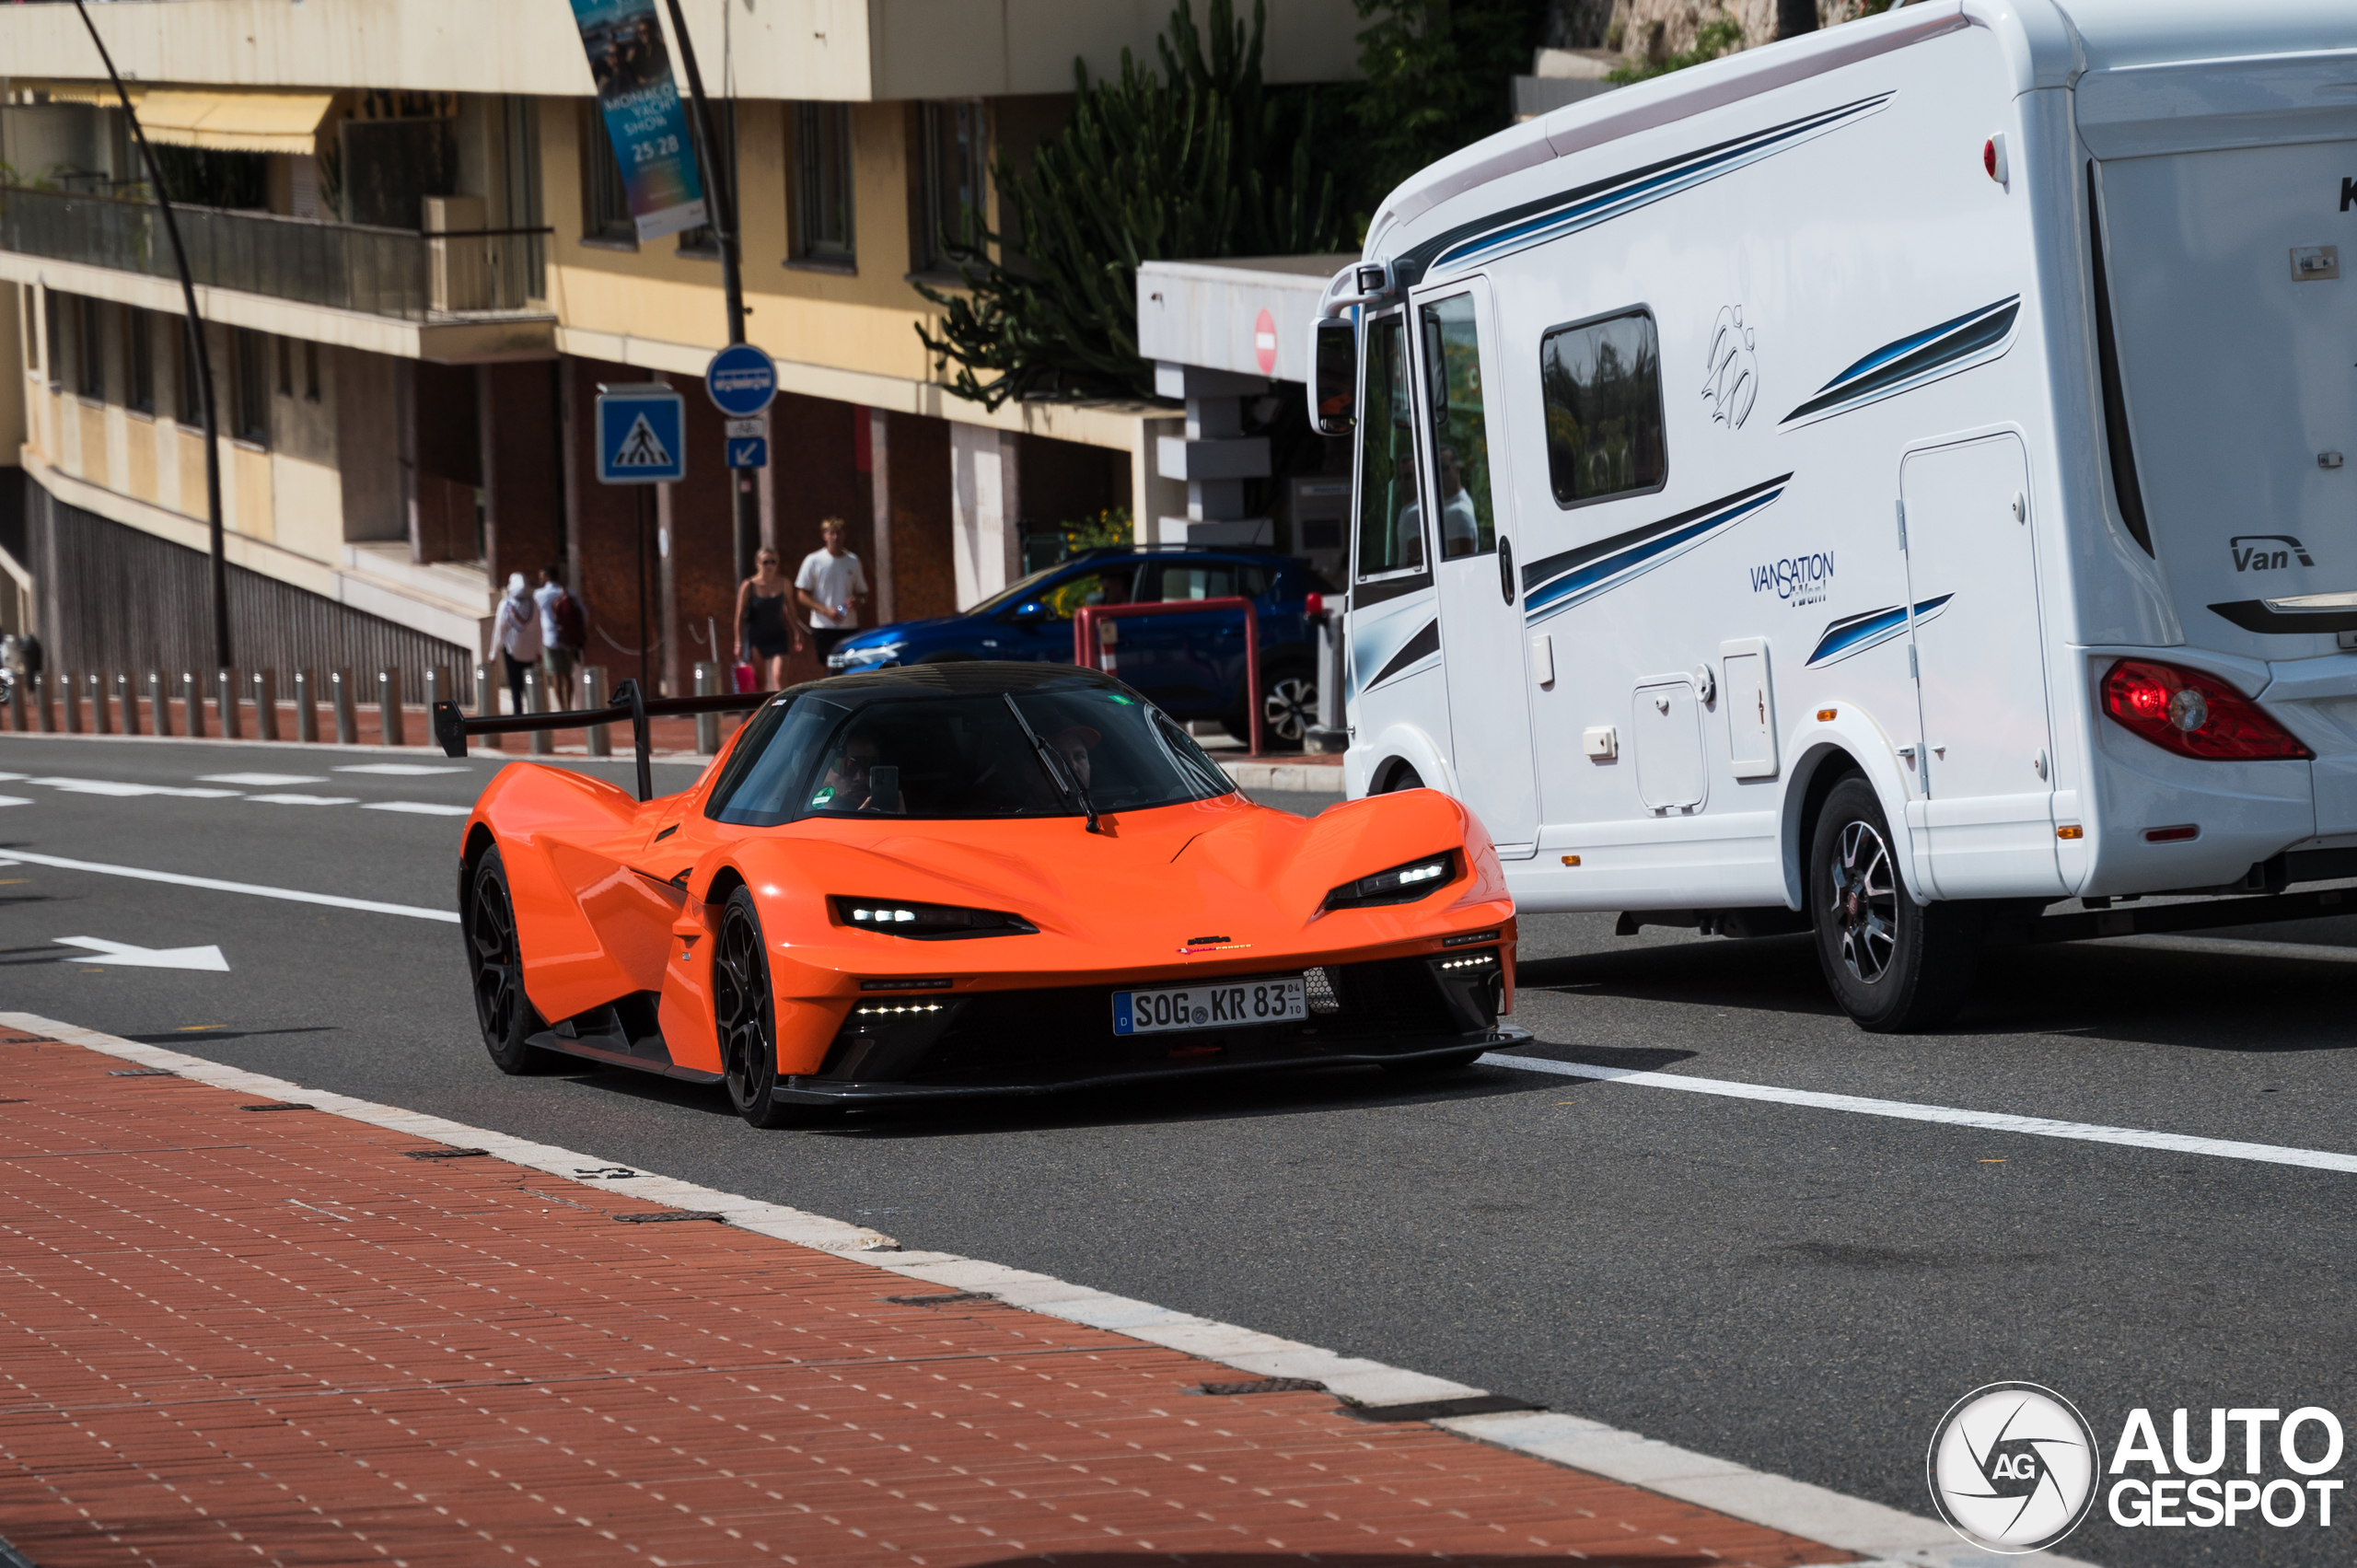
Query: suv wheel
[(1895, 966)]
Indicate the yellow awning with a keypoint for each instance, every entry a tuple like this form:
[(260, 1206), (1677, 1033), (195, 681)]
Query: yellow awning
[(234, 122), (245, 122)]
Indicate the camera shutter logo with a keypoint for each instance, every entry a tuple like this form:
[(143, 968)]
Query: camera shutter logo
[(2014, 1466)]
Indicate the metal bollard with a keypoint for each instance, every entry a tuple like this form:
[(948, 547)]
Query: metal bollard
[(593, 695), (347, 717), (265, 688), (17, 704), (437, 688), (102, 722), (388, 707), (307, 706), (159, 701), (46, 715), (487, 703), (192, 703), (71, 690), (540, 743), (126, 702), (707, 724), (224, 703)]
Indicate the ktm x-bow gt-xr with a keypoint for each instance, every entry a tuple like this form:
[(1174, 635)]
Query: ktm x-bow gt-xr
[(972, 878)]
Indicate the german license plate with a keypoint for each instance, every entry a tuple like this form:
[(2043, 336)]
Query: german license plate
[(1271, 1000)]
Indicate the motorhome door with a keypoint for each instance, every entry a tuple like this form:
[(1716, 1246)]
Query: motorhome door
[(1480, 602)]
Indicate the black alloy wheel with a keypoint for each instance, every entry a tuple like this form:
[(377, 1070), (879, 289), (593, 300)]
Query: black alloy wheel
[(746, 1010), (1895, 966), (495, 972), (1288, 707)]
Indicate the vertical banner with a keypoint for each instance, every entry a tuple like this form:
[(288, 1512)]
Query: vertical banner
[(644, 116)]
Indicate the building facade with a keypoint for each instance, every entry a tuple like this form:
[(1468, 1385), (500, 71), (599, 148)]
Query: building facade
[(417, 266)]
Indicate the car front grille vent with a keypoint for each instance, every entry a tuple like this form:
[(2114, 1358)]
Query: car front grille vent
[(1317, 986)]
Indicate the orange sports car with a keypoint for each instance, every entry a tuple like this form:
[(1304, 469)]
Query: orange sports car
[(970, 878)]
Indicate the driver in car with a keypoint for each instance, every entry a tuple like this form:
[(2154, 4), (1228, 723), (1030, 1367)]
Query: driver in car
[(851, 779), (1072, 746)]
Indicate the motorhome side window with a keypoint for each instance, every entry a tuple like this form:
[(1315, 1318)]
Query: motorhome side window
[(1390, 524), (1602, 383), (1460, 428)]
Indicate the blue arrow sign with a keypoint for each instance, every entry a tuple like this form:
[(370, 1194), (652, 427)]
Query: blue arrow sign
[(750, 452), (642, 435), (742, 381)]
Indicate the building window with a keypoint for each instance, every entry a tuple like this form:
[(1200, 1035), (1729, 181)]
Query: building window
[(823, 183), (139, 352), (285, 367), (605, 204), (250, 386), (310, 371), (950, 200), (89, 348), (1601, 383), (53, 307), (186, 396)]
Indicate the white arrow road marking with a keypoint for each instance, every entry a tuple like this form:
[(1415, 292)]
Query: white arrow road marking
[(116, 787), (261, 778), (331, 901), (1907, 1110), (13, 800), (421, 808), (303, 799), (396, 769), (125, 956)]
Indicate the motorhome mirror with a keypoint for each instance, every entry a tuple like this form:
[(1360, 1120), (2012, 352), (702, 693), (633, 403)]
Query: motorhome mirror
[(1333, 398)]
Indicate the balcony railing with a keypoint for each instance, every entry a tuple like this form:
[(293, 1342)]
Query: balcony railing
[(383, 271)]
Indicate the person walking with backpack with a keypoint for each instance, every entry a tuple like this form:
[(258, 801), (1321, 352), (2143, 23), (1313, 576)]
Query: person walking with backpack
[(517, 634), (564, 633)]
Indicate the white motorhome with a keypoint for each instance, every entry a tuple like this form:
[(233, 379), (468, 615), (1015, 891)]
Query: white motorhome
[(1888, 482)]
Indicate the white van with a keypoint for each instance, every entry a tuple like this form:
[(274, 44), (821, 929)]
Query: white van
[(1887, 482)]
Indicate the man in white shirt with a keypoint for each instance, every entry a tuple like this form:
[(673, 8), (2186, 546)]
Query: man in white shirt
[(560, 654), (829, 586)]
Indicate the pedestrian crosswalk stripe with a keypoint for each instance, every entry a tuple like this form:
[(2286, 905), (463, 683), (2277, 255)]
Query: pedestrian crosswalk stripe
[(642, 448)]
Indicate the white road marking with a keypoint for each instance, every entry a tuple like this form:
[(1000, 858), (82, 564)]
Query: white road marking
[(2229, 948), (332, 900), (261, 778), (126, 956), (1907, 1110), (305, 799), (13, 800), (396, 769), (117, 787), (1873, 1530), (421, 808)]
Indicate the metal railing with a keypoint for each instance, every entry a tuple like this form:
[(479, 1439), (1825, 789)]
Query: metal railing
[(382, 272)]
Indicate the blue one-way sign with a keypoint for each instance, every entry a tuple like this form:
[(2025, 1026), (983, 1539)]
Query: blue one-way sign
[(642, 435)]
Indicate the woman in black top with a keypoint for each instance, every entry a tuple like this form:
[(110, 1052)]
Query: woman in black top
[(765, 632)]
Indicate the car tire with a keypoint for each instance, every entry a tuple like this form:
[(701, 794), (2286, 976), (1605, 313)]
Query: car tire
[(1402, 777), (745, 1008), (1455, 1061), (1895, 967), (1288, 707), (495, 973)]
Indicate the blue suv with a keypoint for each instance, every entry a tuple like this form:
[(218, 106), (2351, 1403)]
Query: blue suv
[(1191, 665)]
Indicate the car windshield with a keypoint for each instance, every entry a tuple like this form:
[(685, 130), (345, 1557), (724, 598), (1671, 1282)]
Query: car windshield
[(1015, 592), (965, 755)]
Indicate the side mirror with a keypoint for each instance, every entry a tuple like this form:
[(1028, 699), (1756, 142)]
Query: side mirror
[(1030, 610), (1334, 369)]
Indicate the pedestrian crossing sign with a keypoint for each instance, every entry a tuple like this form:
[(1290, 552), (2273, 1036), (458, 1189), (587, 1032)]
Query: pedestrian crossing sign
[(641, 436)]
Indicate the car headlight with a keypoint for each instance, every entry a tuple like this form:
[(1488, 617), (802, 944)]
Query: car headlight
[(898, 917), (874, 653), (1400, 884)]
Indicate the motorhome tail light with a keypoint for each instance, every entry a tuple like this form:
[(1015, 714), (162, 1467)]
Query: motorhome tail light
[(1992, 158), (2193, 714)]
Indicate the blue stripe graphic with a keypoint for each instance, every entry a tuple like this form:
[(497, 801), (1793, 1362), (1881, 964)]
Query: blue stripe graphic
[(1856, 634), (1970, 338), (1609, 571)]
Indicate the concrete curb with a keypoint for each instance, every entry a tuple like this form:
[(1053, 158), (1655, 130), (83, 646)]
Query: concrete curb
[(1886, 1536), (1300, 778)]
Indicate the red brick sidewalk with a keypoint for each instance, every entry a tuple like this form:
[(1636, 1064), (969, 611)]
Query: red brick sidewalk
[(241, 1335)]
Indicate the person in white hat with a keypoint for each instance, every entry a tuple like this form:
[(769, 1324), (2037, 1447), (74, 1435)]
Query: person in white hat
[(517, 633)]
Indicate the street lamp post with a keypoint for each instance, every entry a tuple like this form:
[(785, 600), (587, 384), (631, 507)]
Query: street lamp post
[(745, 504), (201, 354)]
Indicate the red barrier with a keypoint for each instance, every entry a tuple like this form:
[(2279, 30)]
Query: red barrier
[(1088, 650)]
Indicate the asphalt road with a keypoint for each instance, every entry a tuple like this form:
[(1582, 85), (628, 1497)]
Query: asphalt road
[(1804, 1291)]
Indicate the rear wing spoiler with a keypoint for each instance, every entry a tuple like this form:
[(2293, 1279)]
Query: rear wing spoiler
[(451, 726)]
